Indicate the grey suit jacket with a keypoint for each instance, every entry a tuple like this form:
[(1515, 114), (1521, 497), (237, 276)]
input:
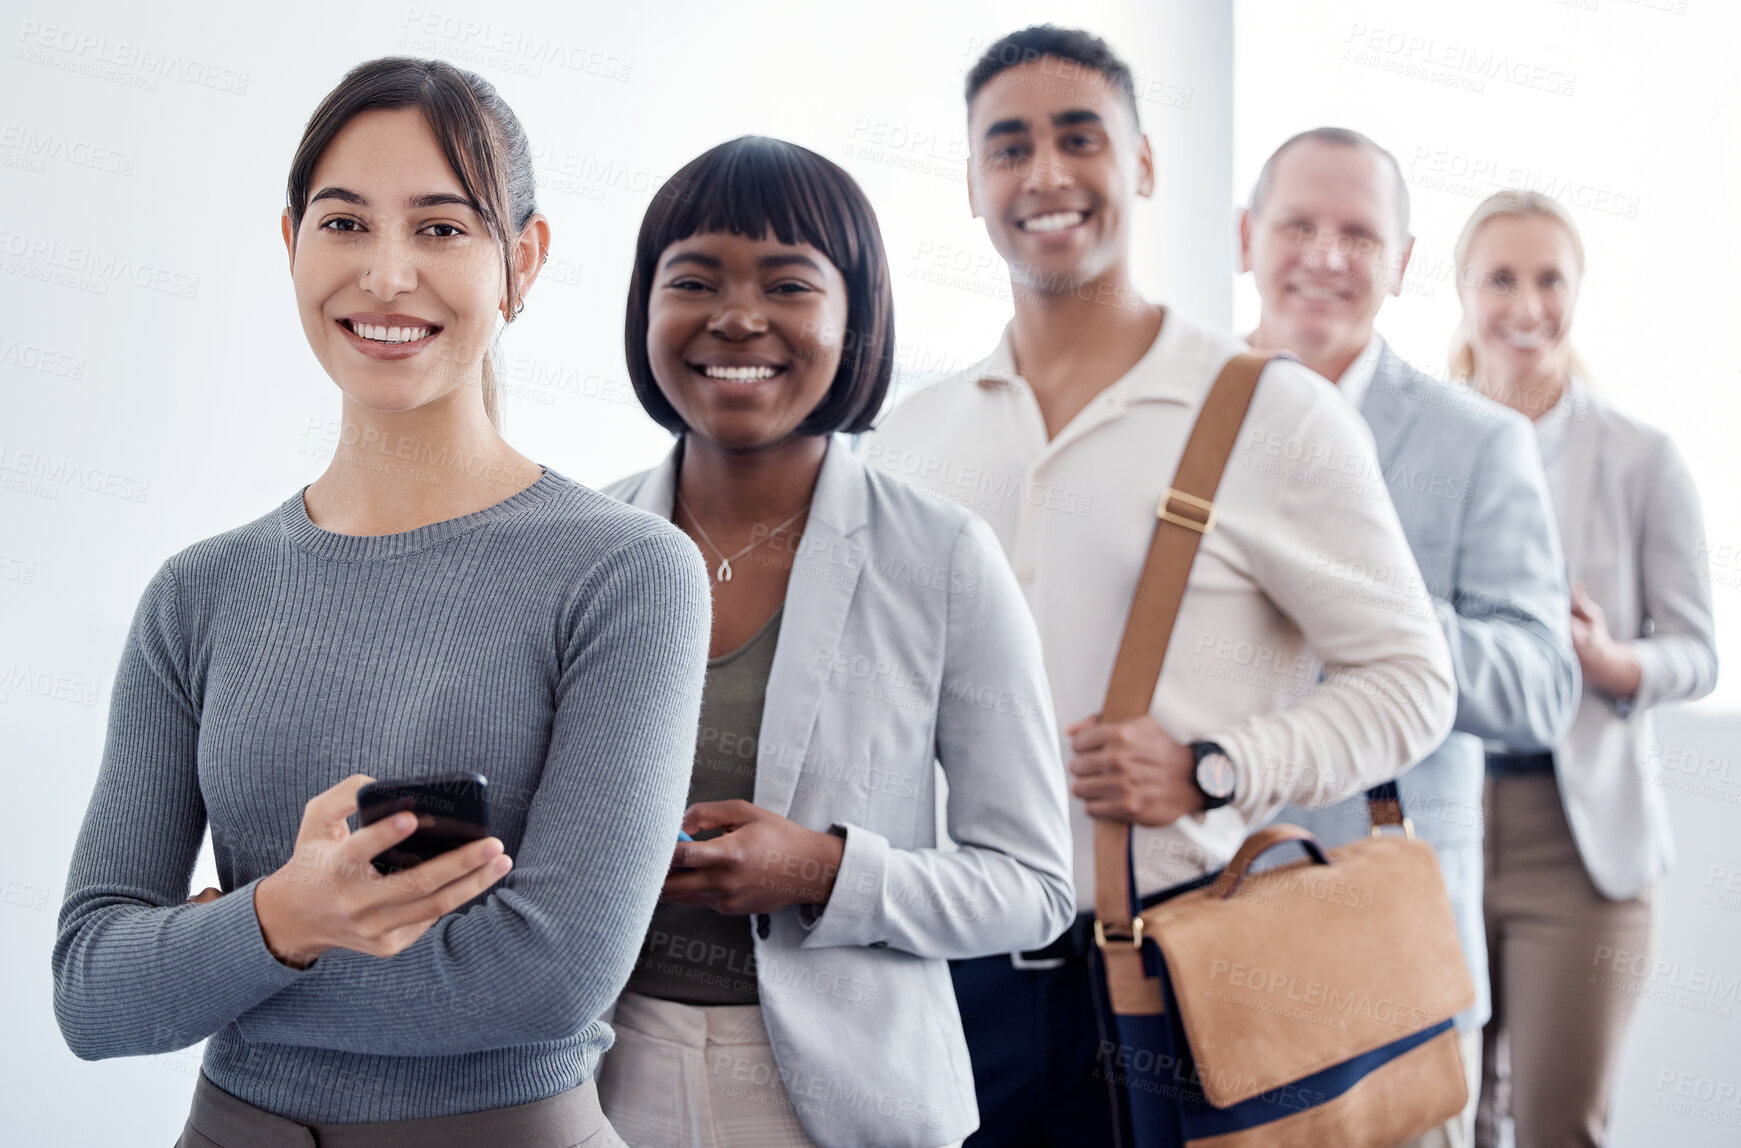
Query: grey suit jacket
[(1634, 534), (905, 644), (1467, 481)]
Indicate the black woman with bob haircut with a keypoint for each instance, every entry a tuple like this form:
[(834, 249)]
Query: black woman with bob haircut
[(794, 987)]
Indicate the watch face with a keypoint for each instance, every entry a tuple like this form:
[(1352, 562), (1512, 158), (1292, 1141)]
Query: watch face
[(1215, 775)]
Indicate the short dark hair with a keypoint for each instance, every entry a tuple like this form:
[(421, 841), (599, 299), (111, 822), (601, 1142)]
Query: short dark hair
[(1041, 40), (1342, 137), (479, 134), (751, 186)]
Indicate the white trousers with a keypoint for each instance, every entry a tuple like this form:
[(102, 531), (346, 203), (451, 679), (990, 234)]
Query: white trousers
[(686, 1077)]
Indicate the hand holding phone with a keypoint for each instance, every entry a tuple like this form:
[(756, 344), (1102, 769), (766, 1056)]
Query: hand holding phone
[(451, 811), (328, 896)]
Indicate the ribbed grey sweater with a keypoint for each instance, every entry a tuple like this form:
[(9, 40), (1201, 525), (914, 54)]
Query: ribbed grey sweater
[(555, 642)]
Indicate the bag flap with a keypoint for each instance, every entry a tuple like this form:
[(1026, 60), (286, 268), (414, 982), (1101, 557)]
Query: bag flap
[(1307, 965)]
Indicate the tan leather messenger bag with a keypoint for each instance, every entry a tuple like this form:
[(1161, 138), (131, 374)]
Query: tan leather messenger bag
[(1307, 1004)]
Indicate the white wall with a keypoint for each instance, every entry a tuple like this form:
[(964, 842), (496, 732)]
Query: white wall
[(1679, 1080), (154, 383)]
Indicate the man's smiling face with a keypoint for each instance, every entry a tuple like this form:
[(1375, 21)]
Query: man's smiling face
[(1057, 161)]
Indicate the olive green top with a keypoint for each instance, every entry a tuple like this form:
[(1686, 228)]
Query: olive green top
[(693, 954)]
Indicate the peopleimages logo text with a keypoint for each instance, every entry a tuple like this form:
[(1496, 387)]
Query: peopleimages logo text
[(100, 266), (92, 48)]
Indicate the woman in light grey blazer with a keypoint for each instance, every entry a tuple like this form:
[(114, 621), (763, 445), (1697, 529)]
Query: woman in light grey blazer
[(1576, 839), (794, 985)]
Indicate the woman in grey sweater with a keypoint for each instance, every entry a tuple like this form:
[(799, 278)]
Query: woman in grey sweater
[(433, 603)]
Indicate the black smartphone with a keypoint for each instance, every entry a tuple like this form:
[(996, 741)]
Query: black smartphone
[(452, 810)]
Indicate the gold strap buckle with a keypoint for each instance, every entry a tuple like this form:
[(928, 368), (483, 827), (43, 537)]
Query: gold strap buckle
[(1135, 938), (1408, 829), (1206, 509)]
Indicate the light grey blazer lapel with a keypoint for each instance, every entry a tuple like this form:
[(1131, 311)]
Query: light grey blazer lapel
[(655, 491), (1387, 410), (824, 578)]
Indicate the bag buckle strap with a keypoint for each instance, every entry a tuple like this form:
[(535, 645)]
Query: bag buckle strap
[(1135, 937), (1384, 807), (1204, 521)]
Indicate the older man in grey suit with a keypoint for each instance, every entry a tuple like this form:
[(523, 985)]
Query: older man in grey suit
[(1326, 238)]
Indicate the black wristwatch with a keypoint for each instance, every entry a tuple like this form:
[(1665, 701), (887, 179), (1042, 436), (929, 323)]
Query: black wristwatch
[(1214, 774)]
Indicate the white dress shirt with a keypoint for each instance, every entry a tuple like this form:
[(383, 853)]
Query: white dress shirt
[(1307, 562), (1357, 379), (1551, 433)]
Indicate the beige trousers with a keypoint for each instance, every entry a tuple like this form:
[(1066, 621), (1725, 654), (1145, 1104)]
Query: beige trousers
[(569, 1119), (686, 1077), (1562, 960)]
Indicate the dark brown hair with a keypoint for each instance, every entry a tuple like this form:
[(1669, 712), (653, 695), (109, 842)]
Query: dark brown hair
[(1070, 44), (479, 134), (751, 186)]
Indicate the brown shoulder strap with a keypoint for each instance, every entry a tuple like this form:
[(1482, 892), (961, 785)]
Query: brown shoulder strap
[(1186, 513)]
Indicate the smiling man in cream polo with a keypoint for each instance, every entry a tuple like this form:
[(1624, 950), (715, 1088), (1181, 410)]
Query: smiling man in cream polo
[(1071, 430)]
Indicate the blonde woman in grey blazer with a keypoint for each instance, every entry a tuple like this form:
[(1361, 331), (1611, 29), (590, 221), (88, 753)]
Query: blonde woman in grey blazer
[(1576, 839), (794, 987)]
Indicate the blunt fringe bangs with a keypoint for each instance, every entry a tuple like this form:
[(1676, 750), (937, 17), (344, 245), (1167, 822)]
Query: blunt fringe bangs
[(755, 187)]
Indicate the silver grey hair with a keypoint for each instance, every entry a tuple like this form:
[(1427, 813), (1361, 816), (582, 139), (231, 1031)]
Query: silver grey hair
[(1343, 137)]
